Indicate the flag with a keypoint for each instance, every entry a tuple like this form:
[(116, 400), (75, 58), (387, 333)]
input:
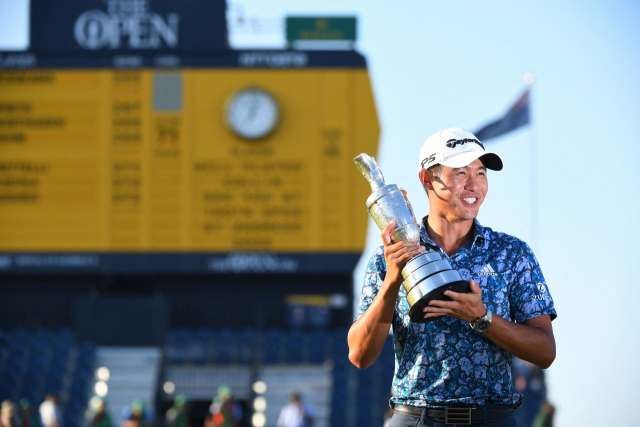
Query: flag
[(516, 117)]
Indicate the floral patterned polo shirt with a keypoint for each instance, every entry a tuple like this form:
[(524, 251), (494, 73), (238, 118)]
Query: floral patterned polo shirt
[(445, 362)]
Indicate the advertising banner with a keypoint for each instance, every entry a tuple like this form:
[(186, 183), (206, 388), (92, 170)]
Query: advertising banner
[(85, 26)]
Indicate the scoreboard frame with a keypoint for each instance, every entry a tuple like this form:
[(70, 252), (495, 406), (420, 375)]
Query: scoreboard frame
[(185, 262)]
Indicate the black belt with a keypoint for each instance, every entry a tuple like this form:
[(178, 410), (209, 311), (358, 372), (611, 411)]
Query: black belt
[(461, 416)]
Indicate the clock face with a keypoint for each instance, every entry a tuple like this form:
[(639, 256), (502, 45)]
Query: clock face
[(252, 113)]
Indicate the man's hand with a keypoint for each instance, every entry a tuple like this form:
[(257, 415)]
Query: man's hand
[(467, 307), (396, 255), (368, 334), (531, 341)]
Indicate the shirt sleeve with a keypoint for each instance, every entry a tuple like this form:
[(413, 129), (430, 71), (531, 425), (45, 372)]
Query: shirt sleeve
[(372, 281), (281, 419), (308, 412), (529, 296)]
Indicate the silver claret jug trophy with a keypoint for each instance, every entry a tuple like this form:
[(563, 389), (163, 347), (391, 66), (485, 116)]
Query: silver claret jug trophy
[(426, 276)]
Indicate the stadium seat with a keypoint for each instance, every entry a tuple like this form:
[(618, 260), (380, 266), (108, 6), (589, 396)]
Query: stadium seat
[(249, 334), (178, 345), (317, 346), (294, 347), (271, 346), (54, 385), (247, 340), (364, 419), (338, 419), (179, 338), (224, 344), (28, 392), (33, 363), (38, 359), (203, 335)]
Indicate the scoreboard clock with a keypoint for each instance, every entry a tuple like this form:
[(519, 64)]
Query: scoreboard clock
[(252, 113)]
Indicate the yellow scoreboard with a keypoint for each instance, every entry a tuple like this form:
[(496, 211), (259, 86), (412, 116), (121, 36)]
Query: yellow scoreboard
[(253, 154)]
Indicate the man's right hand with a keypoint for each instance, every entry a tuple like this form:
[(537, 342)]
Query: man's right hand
[(368, 334), (397, 254)]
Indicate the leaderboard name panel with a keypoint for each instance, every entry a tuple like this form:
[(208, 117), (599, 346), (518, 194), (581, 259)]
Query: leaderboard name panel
[(145, 160)]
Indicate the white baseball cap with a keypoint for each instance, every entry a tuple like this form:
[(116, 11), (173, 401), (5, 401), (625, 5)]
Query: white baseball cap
[(456, 148)]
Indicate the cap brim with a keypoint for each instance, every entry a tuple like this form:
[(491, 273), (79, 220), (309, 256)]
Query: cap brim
[(489, 160)]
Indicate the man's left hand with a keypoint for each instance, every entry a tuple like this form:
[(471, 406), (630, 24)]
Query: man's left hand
[(467, 306)]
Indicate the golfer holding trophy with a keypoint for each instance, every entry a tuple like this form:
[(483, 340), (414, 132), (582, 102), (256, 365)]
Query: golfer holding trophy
[(461, 299)]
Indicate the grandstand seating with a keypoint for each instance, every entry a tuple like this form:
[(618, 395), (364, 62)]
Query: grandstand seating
[(133, 374), (359, 397), (33, 363)]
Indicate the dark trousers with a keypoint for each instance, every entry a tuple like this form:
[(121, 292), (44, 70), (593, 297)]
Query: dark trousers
[(399, 420)]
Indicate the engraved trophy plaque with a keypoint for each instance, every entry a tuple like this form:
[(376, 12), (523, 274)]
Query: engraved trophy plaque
[(427, 275)]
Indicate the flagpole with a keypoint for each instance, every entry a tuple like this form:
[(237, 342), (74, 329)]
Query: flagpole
[(533, 179), (514, 119)]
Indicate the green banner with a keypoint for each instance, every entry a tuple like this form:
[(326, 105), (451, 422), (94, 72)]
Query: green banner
[(319, 28)]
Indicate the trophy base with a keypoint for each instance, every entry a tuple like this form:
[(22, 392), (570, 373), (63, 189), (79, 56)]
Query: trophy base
[(415, 312)]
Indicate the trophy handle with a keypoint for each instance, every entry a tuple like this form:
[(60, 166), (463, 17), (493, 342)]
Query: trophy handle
[(369, 168)]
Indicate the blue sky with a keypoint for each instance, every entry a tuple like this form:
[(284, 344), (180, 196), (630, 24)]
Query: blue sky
[(435, 65)]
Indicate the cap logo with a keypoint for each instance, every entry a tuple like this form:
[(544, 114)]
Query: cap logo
[(429, 159), (453, 142)]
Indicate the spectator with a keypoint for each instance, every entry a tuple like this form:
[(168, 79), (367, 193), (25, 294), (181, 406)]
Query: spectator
[(295, 414), (28, 417), (389, 412), (544, 417), (136, 415), (50, 412), (224, 411), (8, 414), (528, 379), (178, 414), (100, 417)]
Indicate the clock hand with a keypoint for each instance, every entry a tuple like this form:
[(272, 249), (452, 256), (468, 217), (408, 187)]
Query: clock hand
[(253, 108)]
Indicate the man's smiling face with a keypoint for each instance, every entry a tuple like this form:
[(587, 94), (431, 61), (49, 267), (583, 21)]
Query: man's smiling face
[(459, 192)]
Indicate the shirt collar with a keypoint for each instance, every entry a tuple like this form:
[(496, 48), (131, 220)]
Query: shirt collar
[(480, 234)]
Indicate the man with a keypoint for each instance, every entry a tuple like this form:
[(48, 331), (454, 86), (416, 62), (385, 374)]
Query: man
[(178, 414), (28, 417), (8, 414), (224, 411), (456, 368), (295, 414), (528, 379), (100, 417), (136, 415), (50, 411)]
